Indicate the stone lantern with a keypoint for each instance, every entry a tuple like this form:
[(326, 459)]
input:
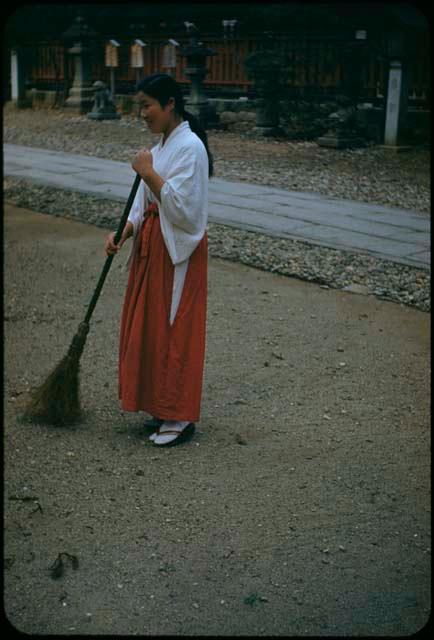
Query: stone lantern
[(80, 99), (344, 129), (196, 54), (264, 67)]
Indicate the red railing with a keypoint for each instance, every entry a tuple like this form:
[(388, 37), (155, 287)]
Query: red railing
[(313, 64)]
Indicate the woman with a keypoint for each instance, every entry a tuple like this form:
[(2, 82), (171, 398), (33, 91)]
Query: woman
[(162, 337)]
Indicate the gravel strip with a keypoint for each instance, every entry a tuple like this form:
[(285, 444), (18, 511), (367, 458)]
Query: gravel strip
[(330, 268)]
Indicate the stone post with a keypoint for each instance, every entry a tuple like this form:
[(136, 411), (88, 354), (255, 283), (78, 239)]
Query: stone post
[(18, 78), (397, 103), (397, 92)]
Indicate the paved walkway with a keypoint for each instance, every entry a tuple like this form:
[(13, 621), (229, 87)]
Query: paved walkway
[(394, 234)]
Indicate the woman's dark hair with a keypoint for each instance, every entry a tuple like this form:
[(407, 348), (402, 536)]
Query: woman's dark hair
[(162, 87)]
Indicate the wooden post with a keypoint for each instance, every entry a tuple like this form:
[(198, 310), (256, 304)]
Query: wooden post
[(112, 62), (137, 61)]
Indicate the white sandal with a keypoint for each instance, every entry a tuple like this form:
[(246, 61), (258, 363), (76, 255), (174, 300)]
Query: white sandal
[(178, 436)]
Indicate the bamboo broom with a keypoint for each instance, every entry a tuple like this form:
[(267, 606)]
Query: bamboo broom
[(57, 400)]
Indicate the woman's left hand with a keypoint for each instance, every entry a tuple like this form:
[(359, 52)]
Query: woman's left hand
[(143, 163)]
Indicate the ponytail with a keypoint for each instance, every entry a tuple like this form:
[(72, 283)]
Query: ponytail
[(162, 87), (197, 128)]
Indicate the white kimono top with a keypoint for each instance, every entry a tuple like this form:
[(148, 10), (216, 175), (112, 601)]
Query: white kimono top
[(182, 162)]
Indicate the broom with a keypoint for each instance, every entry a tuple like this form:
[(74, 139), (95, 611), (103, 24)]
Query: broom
[(56, 401)]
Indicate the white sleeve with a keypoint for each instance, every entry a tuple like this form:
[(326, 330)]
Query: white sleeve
[(184, 193)]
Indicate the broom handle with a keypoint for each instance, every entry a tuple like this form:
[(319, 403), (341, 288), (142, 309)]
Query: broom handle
[(109, 259)]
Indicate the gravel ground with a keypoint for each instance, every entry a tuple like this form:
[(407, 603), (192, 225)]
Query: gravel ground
[(370, 175), (301, 507)]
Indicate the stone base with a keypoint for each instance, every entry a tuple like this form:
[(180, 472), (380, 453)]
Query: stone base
[(78, 107), (205, 113), (340, 142), (22, 103), (268, 132), (103, 116), (397, 148), (80, 100)]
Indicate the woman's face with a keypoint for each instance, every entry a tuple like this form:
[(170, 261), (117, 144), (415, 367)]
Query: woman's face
[(156, 117)]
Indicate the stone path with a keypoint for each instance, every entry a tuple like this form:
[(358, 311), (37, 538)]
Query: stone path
[(393, 234)]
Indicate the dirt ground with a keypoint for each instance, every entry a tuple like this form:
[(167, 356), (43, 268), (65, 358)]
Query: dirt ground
[(302, 505)]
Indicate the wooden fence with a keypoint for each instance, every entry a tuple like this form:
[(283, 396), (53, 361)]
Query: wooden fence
[(314, 66)]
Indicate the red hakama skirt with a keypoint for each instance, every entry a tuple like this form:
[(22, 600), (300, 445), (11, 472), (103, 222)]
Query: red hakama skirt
[(161, 365)]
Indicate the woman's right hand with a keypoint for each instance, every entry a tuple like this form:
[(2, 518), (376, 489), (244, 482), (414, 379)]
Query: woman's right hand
[(110, 247)]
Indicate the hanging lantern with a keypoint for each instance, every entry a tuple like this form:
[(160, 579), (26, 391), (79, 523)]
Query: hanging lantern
[(169, 54), (111, 54), (136, 54)]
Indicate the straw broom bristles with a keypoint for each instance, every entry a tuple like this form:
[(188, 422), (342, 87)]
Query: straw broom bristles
[(57, 401)]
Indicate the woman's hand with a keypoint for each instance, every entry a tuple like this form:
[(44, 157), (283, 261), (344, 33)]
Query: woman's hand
[(143, 163), (110, 247)]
